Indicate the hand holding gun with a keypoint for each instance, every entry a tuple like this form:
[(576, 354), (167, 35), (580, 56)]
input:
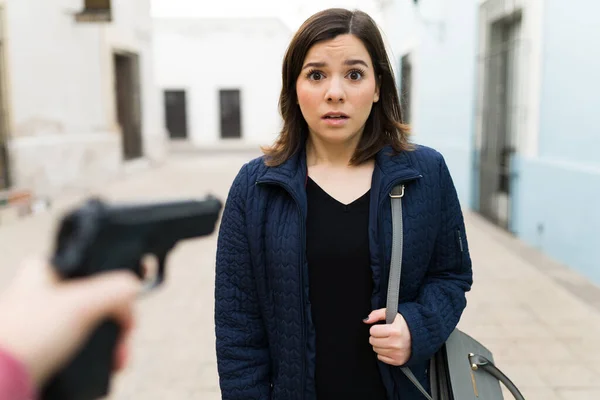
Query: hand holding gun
[(98, 237)]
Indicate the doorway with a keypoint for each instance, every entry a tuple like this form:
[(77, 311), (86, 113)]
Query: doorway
[(176, 113), (4, 160), (406, 87), (128, 100), (4, 175), (500, 121), (231, 126)]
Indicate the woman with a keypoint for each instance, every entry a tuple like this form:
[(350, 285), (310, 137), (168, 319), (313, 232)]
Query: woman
[(305, 240)]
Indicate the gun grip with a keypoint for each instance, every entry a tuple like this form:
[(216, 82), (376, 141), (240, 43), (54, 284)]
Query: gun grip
[(87, 376)]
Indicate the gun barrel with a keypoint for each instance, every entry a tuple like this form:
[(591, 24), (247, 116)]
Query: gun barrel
[(190, 218)]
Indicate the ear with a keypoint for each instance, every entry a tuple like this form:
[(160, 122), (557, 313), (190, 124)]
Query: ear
[(377, 90)]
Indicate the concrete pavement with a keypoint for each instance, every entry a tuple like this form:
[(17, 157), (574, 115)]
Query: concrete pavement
[(541, 321)]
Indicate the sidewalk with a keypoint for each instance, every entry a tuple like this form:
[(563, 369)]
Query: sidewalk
[(541, 321)]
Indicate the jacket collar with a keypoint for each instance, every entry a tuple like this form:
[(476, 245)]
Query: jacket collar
[(392, 169), (389, 171), (292, 175)]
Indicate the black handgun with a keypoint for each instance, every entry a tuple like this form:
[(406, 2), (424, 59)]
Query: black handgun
[(98, 237)]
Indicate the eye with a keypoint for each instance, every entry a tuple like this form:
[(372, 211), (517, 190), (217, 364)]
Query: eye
[(314, 75), (356, 74)]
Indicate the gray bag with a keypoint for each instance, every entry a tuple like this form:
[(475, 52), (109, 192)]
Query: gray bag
[(463, 369)]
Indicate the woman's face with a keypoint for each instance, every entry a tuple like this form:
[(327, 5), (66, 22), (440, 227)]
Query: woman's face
[(336, 89)]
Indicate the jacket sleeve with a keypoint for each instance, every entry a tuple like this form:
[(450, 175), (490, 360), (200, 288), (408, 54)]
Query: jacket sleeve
[(15, 380), (241, 345), (442, 298)]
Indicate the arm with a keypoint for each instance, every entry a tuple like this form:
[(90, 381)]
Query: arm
[(441, 300), (242, 352), (30, 353)]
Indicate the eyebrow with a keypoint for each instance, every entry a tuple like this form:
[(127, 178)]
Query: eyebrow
[(347, 62)]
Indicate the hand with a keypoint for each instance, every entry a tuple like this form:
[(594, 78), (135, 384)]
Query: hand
[(44, 321), (391, 342)]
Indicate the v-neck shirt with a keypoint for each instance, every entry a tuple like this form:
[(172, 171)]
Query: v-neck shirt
[(340, 285)]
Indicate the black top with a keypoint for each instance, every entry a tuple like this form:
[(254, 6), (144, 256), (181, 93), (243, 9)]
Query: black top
[(337, 245)]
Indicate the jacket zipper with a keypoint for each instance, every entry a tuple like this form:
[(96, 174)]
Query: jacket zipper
[(302, 300), (460, 243)]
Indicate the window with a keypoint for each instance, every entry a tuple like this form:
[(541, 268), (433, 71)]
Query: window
[(231, 114), (95, 11), (176, 113), (99, 5)]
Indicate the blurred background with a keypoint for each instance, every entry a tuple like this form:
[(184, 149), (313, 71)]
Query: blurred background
[(154, 99)]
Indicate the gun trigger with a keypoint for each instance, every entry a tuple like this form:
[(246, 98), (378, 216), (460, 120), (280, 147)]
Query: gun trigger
[(160, 275), (154, 269)]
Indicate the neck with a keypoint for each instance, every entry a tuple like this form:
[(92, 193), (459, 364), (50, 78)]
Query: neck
[(333, 154)]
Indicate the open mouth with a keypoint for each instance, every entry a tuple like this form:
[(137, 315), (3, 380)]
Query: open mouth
[(337, 117)]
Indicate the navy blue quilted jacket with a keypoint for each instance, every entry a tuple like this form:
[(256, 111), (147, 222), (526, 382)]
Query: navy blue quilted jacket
[(265, 338)]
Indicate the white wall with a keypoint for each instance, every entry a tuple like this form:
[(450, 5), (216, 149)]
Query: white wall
[(62, 123), (292, 12), (54, 70), (204, 56)]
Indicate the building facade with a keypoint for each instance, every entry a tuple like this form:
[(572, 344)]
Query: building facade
[(507, 90), (220, 79), (78, 94)]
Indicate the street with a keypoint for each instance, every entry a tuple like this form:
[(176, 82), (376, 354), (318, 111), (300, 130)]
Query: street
[(541, 321)]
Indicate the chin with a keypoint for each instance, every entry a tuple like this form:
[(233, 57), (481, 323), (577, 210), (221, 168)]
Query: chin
[(338, 136)]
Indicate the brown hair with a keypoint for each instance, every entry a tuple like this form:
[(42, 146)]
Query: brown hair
[(384, 125)]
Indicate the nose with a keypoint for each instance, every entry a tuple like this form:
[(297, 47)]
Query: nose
[(335, 91)]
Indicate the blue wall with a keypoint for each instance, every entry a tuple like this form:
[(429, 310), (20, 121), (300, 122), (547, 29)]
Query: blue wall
[(558, 212), (444, 98), (570, 117), (556, 196), (557, 202)]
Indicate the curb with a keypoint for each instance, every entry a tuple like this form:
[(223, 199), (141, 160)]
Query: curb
[(16, 204)]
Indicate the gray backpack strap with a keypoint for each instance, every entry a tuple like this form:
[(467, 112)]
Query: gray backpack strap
[(393, 292)]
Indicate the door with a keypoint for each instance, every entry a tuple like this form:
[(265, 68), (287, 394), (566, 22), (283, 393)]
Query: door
[(4, 164), (4, 176), (175, 113), (500, 120), (128, 99), (231, 126), (406, 87)]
